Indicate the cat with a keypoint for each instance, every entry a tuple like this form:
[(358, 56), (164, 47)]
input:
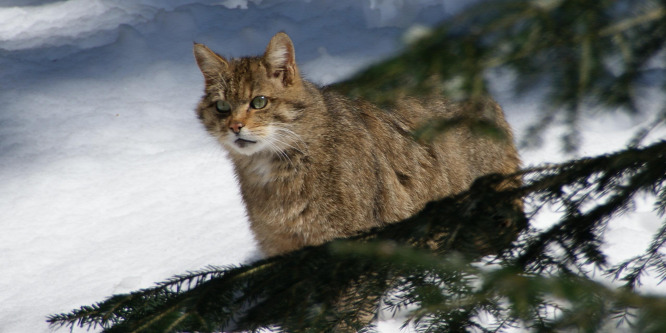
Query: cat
[(314, 165)]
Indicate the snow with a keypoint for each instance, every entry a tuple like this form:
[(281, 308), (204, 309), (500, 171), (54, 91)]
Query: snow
[(108, 183)]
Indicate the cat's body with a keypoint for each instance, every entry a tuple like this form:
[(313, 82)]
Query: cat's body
[(314, 165)]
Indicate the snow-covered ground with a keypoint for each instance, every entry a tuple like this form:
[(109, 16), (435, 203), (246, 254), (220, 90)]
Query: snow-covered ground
[(109, 184)]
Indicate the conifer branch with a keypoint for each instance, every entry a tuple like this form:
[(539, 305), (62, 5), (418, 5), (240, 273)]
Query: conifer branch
[(589, 53), (630, 23), (430, 259)]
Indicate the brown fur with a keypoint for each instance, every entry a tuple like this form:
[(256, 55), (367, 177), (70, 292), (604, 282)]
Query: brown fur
[(324, 166)]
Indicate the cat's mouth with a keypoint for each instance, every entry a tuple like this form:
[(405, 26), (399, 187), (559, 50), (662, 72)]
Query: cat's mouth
[(244, 143)]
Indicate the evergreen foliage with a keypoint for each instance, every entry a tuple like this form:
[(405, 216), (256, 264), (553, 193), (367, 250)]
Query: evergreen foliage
[(587, 54), (470, 262)]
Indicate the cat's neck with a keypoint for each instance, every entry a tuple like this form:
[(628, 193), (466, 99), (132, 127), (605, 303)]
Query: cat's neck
[(264, 168)]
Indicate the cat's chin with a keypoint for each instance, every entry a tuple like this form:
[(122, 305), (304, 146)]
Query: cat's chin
[(244, 143), (245, 147)]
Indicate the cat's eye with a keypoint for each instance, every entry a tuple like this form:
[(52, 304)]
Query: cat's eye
[(259, 102), (222, 106)]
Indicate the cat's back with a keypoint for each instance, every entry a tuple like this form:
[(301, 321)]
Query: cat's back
[(375, 149)]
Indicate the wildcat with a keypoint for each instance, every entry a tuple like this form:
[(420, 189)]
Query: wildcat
[(314, 165)]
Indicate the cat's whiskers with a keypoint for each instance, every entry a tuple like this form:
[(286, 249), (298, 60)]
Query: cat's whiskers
[(282, 155), (289, 139), (284, 145), (271, 144), (276, 149)]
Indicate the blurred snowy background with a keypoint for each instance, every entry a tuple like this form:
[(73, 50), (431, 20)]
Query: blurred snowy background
[(109, 184)]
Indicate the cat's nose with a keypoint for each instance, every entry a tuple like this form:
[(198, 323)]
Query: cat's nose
[(236, 126)]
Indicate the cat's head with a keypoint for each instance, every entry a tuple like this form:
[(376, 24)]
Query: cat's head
[(251, 103)]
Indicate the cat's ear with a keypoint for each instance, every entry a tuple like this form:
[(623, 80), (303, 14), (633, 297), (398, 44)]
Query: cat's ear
[(210, 64), (280, 59)]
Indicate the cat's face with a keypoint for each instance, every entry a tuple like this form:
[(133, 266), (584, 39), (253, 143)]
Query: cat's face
[(251, 103)]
